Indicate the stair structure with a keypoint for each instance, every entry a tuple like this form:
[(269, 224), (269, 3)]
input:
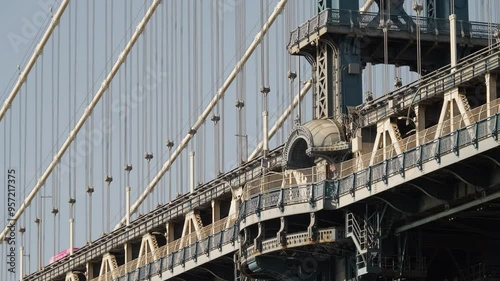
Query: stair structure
[(366, 238)]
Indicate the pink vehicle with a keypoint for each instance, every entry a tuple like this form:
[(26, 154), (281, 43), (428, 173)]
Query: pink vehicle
[(61, 255)]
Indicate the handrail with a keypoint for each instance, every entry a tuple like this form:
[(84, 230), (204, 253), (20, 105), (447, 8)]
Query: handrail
[(455, 134), (167, 249), (415, 88), (362, 162), (297, 239), (359, 235), (285, 179), (350, 18), (177, 204)]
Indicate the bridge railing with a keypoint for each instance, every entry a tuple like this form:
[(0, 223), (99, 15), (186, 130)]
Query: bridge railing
[(169, 248), (298, 239), (410, 264), (368, 20), (279, 197), (285, 179), (431, 85), (428, 135), (455, 133)]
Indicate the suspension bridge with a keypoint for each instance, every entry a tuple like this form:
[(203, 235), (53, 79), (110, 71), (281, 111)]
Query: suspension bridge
[(247, 140)]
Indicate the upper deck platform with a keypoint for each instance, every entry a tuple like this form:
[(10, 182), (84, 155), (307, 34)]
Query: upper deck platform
[(402, 36)]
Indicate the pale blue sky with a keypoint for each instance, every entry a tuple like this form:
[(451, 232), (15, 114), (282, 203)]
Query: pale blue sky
[(38, 138), (149, 132)]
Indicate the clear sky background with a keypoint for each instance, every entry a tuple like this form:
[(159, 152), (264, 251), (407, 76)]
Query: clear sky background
[(168, 79)]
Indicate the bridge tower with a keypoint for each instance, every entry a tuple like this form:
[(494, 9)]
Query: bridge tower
[(337, 64), (442, 9)]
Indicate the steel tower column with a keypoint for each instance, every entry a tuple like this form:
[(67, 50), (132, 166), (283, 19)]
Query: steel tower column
[(338, 66), (443, 9)]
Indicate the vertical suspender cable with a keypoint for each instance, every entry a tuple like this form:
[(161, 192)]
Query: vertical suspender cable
[(24, 158), (128, 167), (281, 120), (202, 137), (154, 84), (490, 31), (104, 139), (196, 146), (40, 159), (138, 118), (72, 197), (214, 82), (220, 93), (177, 119), (86, 135), (181, 91), (110, 119), (239, 101), (216, 117), (149, 137), (53, 137), (278, 77), (190, 69), (38, 51), (170, 91), (121, 136), (91, 188), (190, 106), (222, 112), (84, 117)]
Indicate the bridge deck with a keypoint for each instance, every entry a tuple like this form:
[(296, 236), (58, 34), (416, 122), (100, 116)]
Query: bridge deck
[(156, 219), (273, 202), (217, 241), (363, 179), (174, 259)]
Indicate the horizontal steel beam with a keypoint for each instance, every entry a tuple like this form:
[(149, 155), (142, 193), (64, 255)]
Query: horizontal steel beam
[(448, 212)]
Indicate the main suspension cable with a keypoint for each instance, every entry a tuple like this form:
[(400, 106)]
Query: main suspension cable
[(72, 135)]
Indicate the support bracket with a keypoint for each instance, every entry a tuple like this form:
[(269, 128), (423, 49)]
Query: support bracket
[(281, 235), (312, 229)]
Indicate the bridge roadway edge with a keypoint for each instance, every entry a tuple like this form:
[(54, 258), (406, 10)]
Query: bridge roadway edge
[(158, 217), (485, 144)]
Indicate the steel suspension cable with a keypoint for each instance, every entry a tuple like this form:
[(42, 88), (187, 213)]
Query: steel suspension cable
[(170, 97), (216, 117), (91, 148), (195, 105), (199, 85), (72, 135), (24, 145), (222, 112), (157, 100), (177, 119), (72, 195), (281, 120), (38, 51), (41, 213), (220, 93), (121, 138)]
